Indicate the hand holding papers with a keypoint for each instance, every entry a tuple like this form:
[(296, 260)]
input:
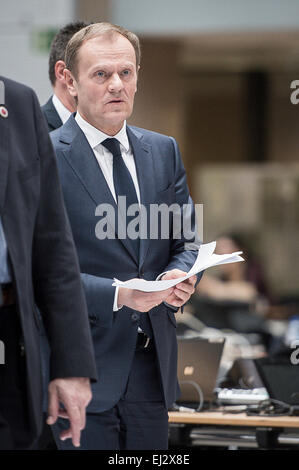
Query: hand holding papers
[(206, 258)]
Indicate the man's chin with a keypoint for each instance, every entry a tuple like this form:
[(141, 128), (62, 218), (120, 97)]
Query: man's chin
[(112, 126), (117, 117)]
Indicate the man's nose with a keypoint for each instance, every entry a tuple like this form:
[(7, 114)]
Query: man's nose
[(115, 83)]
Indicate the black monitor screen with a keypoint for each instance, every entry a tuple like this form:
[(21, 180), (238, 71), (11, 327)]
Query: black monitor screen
[(281, 379)]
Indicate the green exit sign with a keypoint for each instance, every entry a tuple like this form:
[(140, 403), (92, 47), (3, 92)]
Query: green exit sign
[(42, 38)]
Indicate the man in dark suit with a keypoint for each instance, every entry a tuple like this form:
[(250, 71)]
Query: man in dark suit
[(61, 104), (38, 265), (57, 110), (100, 160)]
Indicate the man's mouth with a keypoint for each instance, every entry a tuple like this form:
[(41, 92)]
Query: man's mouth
[(115, 101)]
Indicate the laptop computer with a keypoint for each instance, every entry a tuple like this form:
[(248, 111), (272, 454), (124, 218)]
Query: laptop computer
[(280, 377), (198, 365)]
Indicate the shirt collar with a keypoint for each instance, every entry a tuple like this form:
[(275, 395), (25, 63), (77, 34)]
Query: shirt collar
[(62, 111), (95, 137)]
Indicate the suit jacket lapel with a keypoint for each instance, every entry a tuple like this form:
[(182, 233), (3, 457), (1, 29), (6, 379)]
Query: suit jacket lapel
[(81, 158), (4, 157), (51, 114), (145, 174)]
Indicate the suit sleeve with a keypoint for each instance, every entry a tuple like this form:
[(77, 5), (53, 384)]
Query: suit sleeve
[(99, 291), (58, 291), (185, 246)]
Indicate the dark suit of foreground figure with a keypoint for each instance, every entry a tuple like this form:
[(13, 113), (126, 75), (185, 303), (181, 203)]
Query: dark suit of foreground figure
[(137, 374), (44, 271)]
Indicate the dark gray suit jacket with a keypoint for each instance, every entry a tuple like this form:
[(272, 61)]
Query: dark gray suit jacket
[(40, 247), (162, 179)]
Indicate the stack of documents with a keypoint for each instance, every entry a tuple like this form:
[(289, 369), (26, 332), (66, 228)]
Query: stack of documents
[(206, 258)]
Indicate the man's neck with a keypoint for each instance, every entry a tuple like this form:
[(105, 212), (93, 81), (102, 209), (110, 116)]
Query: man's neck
[(109, 130), (66, 99), (90, 129)]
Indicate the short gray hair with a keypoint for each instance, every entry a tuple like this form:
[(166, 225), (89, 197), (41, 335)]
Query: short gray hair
[(93, 31)]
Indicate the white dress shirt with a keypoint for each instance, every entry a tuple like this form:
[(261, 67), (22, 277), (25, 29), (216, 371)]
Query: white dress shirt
[(105, 160), (62, 111)]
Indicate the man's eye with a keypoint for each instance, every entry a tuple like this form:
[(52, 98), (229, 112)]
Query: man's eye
[(126, 72), (101, 74)]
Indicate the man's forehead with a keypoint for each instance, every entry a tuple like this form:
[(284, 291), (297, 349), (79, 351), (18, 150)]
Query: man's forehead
[(107, 45)]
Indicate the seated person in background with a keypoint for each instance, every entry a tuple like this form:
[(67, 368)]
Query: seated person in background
[(233, 296), (242, 282)]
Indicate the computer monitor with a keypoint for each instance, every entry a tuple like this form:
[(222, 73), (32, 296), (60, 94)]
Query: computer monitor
[(280, 377)]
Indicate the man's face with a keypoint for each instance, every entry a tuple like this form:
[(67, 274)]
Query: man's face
[(106, 82)]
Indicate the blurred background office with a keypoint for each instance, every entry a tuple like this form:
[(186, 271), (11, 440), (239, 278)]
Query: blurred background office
[(217, 76)]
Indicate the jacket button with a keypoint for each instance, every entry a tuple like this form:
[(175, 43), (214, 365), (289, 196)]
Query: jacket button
[(134, 317), (22, 349)]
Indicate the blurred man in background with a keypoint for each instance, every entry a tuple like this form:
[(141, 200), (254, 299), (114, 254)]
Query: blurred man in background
[(61, 104)]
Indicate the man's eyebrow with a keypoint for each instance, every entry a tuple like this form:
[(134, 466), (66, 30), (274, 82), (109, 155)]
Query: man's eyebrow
[(106, 66)]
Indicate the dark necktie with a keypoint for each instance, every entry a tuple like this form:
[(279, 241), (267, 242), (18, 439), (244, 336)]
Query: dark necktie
[(124, 186)]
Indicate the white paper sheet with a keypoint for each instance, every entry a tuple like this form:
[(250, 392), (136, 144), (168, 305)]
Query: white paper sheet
[(206, 258)]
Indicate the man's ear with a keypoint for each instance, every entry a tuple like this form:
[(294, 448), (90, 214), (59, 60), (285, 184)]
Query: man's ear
[(59, 69), (70, 82), (138, 68)]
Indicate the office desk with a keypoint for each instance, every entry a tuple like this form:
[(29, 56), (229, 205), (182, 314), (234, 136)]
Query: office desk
[(215, 428)]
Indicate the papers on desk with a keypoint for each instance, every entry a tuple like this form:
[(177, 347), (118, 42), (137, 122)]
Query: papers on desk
[(206, 258)]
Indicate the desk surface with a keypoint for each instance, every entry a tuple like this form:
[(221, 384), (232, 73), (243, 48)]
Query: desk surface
[(229, 419)]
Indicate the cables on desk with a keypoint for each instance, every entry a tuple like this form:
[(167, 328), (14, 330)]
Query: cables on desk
[(199, 391), (273, 408)]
